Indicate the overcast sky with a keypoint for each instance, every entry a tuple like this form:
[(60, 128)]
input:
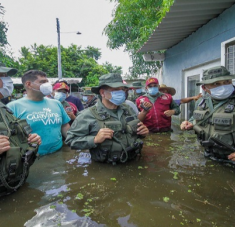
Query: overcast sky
[(34, 21)]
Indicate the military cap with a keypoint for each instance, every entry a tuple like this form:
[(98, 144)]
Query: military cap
[(113, 80), (87, 92), (215, 74), (136, 84), (7, 70)]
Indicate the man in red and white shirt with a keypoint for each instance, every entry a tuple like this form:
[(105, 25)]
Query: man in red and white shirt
[(156, 107)]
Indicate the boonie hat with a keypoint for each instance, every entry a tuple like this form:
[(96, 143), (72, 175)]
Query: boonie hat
[(87, 92), (7, 70), (215, 74), (151, 81), (113, 80), (170, 90), (61, 85), (136, 84)]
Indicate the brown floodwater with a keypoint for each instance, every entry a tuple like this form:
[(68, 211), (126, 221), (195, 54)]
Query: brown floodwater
[(172, 184)]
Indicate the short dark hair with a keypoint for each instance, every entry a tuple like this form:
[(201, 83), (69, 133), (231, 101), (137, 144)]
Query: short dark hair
[(32, 75)]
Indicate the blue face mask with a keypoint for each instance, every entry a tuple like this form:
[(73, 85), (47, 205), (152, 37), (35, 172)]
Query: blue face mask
[(153, 90), (138, 91), (118, 97), (85, 98), (222, 92), (60, 96)]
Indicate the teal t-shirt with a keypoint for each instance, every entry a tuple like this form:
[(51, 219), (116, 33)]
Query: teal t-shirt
[(45, 118)]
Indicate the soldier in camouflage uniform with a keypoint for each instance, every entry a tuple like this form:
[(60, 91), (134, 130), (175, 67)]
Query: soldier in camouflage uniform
[(110, 129), (88, 98), (214, 115), (18, 147), (138, 91)]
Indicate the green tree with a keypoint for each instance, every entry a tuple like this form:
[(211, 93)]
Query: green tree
[(112, 69), (5, 58), (76, 62), (3, 28), (133, 22), (93, 52)]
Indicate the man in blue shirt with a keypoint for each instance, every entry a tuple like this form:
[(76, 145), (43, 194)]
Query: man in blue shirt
[(76, 101), (46, 117)]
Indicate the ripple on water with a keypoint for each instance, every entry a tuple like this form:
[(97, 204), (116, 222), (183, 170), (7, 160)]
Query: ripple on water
[(55, 214)]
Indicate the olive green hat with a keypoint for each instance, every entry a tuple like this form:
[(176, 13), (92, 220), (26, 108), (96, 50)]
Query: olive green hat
[(8, 71), (113, 80), (136, 84), (87, 92), (215, 74)]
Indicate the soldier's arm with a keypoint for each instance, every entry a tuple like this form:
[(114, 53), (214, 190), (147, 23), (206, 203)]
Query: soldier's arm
[(174, 106), (82, 132)]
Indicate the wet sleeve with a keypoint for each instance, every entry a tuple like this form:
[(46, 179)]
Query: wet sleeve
[(175, 106), (82, 132)]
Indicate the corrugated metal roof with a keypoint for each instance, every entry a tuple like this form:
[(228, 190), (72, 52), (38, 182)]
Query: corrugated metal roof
[(184, 18)]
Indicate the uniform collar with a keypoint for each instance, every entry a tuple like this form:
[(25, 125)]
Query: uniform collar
[(101, 109)]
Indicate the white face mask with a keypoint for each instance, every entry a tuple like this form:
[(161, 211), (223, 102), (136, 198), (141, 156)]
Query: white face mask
[(7, 87), (222, 92), (45, 88)]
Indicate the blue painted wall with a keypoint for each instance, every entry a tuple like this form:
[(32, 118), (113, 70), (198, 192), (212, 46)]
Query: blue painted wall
[(202, 46)]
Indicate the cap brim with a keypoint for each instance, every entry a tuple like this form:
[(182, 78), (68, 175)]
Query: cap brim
[(135, 86), (113, 85), (230, 77), (8, 71)]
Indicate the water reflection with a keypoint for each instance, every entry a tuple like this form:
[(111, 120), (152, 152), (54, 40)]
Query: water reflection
[(172, 184)]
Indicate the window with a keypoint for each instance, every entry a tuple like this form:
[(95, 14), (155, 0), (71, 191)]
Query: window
[(230, 58), (228, 54)]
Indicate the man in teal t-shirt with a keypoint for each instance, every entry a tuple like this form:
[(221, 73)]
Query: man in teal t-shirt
[(46, 117)]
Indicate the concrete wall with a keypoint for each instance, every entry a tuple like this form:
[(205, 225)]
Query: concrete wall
[(201, 47)]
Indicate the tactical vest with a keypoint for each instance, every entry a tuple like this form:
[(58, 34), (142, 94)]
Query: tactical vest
[(15, 163), (215, 127), (125, 144)]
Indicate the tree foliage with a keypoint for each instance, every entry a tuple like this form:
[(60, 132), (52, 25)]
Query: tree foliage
[(112, 69), (3, 28), (76, 62), (133, 22)]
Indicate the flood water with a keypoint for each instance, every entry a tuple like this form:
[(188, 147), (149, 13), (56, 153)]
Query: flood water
[(172, 184)]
